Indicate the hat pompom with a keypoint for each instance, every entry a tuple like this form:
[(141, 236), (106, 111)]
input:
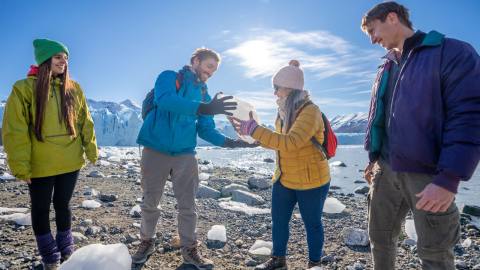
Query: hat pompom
[(294, 63)]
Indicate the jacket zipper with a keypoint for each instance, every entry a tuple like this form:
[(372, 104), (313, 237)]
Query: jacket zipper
[(396, 84)]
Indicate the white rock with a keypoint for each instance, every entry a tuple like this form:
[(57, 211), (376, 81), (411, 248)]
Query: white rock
[(227, 190), (247, 197), (203, 176), (410, 229), (91, 204), (355, 237), (207, 192), (259, 182), (218, 233), (10, 210), (19, 218), (78, 237), (243, 208), (333, 206), (98, 256)]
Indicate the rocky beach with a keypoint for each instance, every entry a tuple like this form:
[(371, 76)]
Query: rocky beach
[(105, 210)]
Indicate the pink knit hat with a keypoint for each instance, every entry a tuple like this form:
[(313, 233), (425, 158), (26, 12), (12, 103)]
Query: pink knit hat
[(290, 76)]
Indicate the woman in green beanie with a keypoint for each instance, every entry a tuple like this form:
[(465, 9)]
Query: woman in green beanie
[(47, 129)]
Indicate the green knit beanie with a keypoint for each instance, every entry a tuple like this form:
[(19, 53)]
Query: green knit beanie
[(46, 48)]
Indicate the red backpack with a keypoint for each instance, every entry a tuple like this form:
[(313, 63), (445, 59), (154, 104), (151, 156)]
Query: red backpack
[(329, 145)]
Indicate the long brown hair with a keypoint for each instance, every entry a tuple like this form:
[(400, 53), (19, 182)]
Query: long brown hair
[(67, 101)]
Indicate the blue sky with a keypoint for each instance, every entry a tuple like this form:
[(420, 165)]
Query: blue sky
[(119, 47)]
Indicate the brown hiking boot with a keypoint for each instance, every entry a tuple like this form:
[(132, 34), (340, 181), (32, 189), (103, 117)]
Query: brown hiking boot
[(145, 249), (191, 256), (274, 263)]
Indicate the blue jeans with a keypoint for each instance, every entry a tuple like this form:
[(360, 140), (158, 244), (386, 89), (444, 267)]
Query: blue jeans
[(310, 203)]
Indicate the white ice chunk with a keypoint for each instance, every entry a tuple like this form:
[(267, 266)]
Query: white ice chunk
[(7, 176), (243, 113), (261, 248), (243, 208), (204, 176), (467, 243), (410, 229), (19, 218), (333, 206), (114, 159), (103, 163), (135, 209), (9, 210), (217, 232), (98, 256), (337, 164), (91, 204)]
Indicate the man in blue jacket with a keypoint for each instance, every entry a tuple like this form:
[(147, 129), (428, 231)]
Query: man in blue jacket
[(423, 135), (182, 110)]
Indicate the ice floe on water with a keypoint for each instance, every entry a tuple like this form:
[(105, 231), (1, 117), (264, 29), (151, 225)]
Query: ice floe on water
[(203, 176)]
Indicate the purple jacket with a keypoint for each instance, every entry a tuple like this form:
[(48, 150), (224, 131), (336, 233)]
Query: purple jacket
[(434, 124)]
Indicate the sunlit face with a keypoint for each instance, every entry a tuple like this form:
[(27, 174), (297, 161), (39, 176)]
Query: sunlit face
[(59, 63), (281, 92), (205, 69), (384, 33)]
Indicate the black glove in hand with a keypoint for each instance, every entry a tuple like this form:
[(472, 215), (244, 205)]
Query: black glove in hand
[(217, 106), (230, 143)]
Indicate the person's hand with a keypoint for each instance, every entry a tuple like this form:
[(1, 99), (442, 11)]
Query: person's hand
[(27, 180), (368, 173), (230, 143), (434, 199), (217, 106), (244, 127)]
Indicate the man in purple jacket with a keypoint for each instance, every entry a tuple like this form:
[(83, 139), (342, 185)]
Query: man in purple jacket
[(423, 136)]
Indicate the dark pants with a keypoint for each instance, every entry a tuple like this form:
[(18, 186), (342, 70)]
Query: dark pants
[(41, 190), (310, 203), (392, 195)]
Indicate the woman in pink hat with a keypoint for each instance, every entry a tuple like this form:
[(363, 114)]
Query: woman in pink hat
[(302, 174)]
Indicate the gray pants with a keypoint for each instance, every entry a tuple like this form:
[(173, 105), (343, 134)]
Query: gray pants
[(391, 196), (156, 167)]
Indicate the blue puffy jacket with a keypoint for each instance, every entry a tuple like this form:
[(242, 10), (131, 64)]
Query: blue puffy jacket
[(173, 126), (434, 121)]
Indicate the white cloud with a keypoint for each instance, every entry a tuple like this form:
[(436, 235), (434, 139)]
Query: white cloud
[(319, 52)]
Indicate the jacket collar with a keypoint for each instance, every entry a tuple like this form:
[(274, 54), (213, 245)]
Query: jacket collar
[(431, 39), (189, 75)]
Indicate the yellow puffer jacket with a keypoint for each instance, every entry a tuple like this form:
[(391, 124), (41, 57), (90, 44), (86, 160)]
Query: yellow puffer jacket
[(300, 164), (59, 153)]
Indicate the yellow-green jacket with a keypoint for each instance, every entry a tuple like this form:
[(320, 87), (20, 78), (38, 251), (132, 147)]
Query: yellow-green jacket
[(300, 165), (59, 153)]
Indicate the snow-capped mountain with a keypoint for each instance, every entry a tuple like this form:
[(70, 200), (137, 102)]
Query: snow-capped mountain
[(350, 123), (118, 124)]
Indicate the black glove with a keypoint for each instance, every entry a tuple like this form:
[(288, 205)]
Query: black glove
[(217, 106), (231, 143)]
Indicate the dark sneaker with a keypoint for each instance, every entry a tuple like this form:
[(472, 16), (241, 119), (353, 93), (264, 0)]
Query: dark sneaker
[(191, 256), (50, 266), (274, 263), (312, 264), (145, 249)]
